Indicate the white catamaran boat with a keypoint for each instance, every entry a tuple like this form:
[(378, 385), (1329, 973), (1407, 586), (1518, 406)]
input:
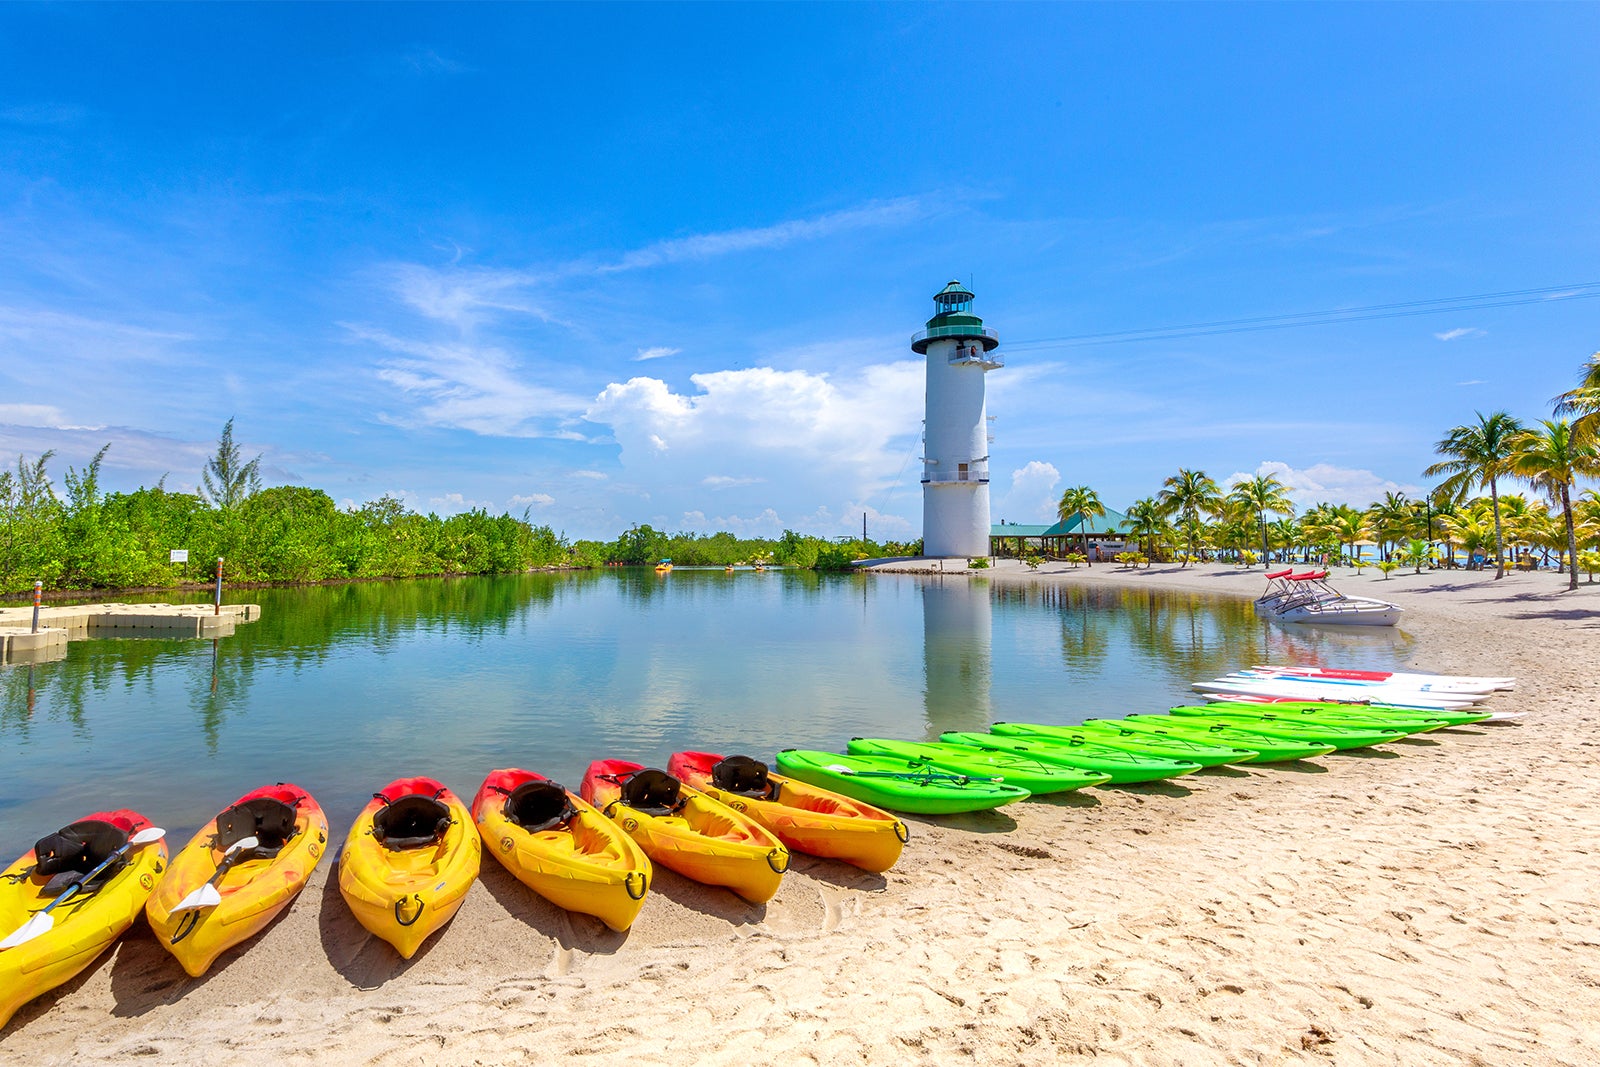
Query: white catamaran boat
[(1308, 597)]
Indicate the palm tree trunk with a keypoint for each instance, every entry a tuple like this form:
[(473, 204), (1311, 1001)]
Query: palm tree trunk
[(1262, 516), (1499, 547), (1572, 537)]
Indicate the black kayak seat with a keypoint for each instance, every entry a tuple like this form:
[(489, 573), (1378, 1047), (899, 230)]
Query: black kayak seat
[(80, 848), (652, 791), (270, 821), (742, 775), (537, 806), (413, 821)]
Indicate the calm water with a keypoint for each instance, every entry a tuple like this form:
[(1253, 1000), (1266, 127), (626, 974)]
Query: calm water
[(343, 689)]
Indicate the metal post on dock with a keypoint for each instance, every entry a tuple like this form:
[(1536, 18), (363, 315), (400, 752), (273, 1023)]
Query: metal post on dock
[(218, 610), (38, 589)]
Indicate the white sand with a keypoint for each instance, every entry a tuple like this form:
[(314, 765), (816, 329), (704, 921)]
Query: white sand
[(1434, 903)]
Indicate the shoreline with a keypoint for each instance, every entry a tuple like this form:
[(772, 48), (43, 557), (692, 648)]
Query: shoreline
[(1431, 902)]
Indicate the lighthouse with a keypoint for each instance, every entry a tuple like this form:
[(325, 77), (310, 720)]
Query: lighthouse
[(955, 463)]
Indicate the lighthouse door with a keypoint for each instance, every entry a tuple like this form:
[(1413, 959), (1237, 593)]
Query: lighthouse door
[(961, 472)]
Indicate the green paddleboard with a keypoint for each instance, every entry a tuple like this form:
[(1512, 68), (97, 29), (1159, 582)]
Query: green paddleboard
[(1125, 768), (896, 784), (1035, 776), (1420, 724), (1337, 736), (1366, 711), (1272, 749), (1102, 732)]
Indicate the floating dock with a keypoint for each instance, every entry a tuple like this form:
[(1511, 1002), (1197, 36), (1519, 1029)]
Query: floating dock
[(20, 643)]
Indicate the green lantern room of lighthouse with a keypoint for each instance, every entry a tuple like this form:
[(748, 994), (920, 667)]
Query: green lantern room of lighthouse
[(953, 318)]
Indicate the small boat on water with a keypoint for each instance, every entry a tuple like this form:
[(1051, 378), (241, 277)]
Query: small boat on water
[(235, 875), (664, 566)]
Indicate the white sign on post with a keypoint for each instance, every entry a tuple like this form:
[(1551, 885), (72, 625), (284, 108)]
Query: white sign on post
[(178, 555)]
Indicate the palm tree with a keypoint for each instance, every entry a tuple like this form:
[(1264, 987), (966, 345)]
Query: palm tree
[(226, 481), (1083, 502), (1584, 402), (1550, 459), (1390, 519), (1148, 524), (1261, 494), (1189, 494), (1478, 455)]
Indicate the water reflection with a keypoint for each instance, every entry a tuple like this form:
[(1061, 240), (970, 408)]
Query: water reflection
[(957, 629), (343, 688)]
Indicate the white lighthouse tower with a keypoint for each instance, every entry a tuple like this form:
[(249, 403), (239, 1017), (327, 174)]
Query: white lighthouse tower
[(955, 464)]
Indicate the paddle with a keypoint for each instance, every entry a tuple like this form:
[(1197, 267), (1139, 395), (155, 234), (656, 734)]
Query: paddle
[(915, 776), (41, 923), (207, 896)]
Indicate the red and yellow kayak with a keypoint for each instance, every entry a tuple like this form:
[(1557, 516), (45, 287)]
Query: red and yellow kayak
[(252, 884), (684, 830), (561, 847), (806, 818), (85, 923), (408, 861)]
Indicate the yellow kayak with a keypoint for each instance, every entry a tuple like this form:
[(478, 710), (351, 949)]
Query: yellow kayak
[(561, 847), (88, 914), (686, 831), (249, 885), (806, 818), (408, 861)]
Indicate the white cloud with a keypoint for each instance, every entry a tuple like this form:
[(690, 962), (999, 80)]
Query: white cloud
[(1324, 482), (454, 503), (658, 352), (537, 500), (707, 245), (1459, 332), (462, 296), (1473, 381), (463, 386), (31, 415), (822, 440), (1031, 496), (594, 476)]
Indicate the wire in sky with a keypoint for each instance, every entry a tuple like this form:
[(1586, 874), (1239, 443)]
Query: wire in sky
[(1332, 316)]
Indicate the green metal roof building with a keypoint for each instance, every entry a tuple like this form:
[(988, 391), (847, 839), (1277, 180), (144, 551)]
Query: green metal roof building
[(1074, 534)]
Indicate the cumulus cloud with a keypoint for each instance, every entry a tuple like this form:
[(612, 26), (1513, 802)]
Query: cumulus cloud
[(594, 476), (534, 500), (658, 352), (1459, 332), (1324, 482), (31, 415), (454, 503), (823, 439), (1031, 497)]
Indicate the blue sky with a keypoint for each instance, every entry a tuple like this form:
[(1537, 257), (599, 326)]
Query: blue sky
[(618, 264)]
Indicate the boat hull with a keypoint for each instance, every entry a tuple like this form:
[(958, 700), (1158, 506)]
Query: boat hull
[(586, 863), (85, 925), (254, 891), (806, 818), (405, 895)]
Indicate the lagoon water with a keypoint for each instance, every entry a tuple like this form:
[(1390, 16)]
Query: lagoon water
[(342, 689)]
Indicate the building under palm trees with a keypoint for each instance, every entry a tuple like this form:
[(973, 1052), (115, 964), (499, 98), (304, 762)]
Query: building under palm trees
[(1096, 536)]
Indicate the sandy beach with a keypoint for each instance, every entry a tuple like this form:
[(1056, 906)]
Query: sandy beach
[(1431, 902)]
